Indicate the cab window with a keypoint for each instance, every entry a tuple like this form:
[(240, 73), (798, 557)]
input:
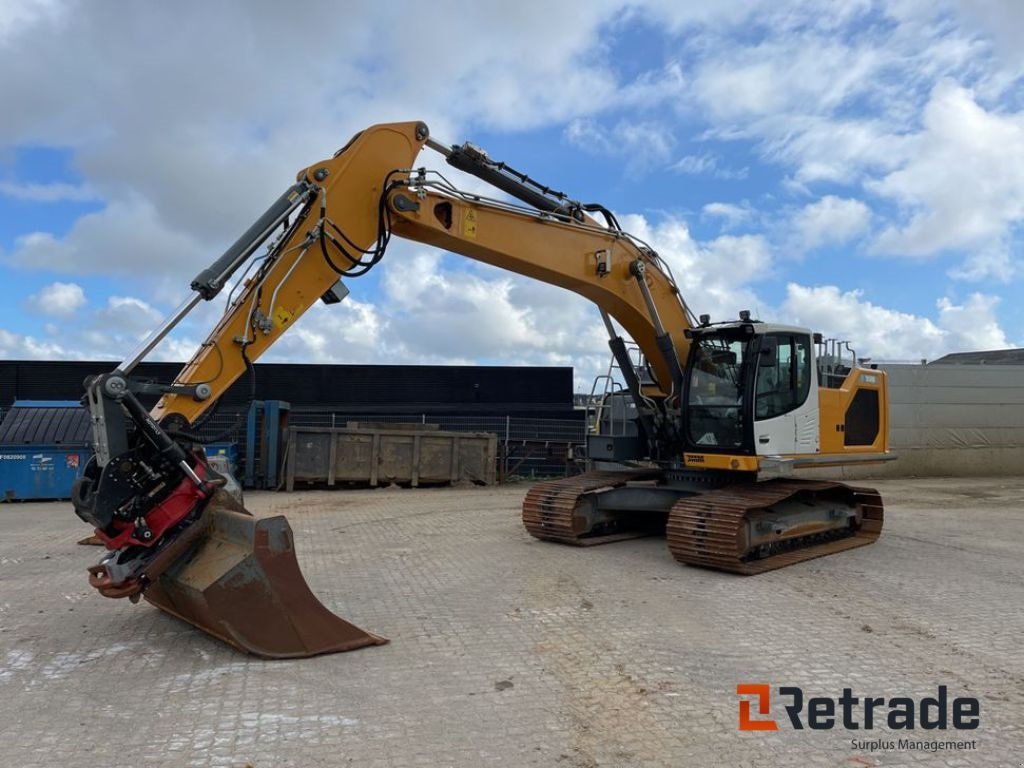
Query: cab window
[(783, 374), (715, 405)]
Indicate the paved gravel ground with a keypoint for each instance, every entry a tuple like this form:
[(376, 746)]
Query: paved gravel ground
[(508, 651)]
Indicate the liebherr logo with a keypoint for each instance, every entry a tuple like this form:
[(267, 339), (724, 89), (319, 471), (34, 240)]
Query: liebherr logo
[(854, 712)]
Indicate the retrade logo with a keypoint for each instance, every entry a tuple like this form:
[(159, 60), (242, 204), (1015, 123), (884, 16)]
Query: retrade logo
[(764, 694), (854, 713)]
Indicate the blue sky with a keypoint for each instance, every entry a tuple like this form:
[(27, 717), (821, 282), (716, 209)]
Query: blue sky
[(855, 167)]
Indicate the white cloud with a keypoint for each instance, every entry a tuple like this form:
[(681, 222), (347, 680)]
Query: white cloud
[(432, 311), (993, 260), (17, 346), (972, 325), (903, 105), (351, 332), (776, 16), (127, 237), (707, 165), (57, 299), (714, 277), (643, 144), (187, 152), (695, 164), (840, 95), (108, 332), (731, 214), (47, 193), (830, 221), (888, 334), (16, 16), (476, 312), (127, 315), (1002, 19), (962, 183), (792, 75), (838, 150)]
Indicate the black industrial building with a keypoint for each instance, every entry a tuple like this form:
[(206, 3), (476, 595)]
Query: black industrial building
[(399, 390)]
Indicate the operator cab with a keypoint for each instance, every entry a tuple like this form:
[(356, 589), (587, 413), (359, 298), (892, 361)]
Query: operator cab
[(749, 389)]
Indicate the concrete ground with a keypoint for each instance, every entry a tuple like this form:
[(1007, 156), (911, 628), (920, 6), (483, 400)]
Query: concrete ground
[(508, 651)]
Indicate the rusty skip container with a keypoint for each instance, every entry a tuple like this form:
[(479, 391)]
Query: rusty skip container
[(380, 454)]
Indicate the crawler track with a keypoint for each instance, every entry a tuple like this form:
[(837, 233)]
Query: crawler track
[(706, 530), (550, 508)]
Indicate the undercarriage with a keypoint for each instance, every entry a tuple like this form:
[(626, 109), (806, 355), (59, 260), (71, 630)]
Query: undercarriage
[(720, 521)]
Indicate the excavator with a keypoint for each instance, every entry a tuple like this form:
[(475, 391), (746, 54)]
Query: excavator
[(717, 418)]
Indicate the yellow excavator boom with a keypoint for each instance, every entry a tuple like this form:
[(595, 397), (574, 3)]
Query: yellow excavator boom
[(579, 255)]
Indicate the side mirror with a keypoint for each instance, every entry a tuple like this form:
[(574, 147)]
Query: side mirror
[(769, 352)]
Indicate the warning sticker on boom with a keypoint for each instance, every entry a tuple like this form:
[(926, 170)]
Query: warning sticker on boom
[(282, 317), (469, 224)]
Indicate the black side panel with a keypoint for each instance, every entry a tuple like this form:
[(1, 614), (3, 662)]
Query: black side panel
[(862, 418)]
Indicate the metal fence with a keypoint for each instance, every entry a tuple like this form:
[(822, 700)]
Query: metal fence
[(505, 427)]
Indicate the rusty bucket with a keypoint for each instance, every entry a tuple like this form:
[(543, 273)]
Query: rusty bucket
[(242, 584)]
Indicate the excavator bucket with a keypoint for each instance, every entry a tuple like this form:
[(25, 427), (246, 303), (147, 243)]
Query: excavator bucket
[(241, 583)]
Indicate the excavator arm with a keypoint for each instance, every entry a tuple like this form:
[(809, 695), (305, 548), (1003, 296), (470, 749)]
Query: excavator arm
[(355, 201), (626, 280), (172, 533)]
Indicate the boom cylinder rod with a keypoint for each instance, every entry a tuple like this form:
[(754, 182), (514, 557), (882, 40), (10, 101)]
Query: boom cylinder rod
[(211, 280), (639, 270), (437, 146), (662, 337), (608, 324), (475, 161), (158, 335)]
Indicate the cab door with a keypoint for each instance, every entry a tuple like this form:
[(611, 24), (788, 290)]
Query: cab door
[(785, 415)]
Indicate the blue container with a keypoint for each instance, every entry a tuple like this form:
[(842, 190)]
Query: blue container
[(44, 446), (231, 450), (29, 473)]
